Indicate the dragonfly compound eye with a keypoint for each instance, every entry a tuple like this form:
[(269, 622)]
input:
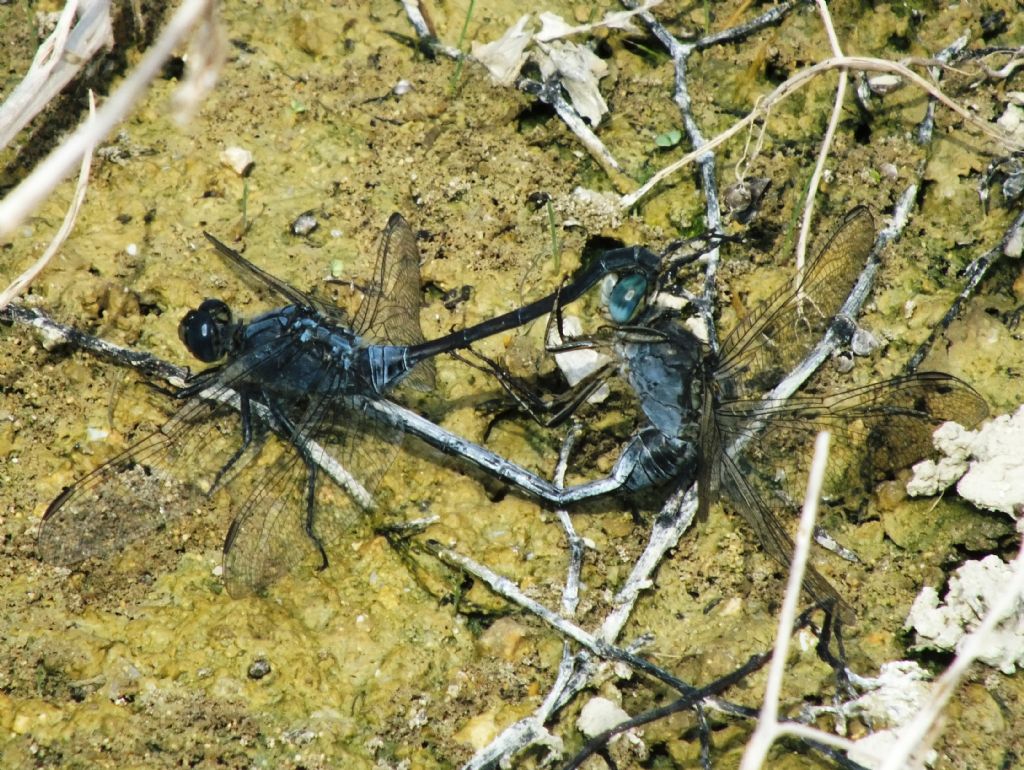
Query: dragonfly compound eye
[(625, 297), (206, 330)]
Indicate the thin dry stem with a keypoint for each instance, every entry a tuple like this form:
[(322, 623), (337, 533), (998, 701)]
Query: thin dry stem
[(59, 59), (32, 191), (794, 84), (19, 284), (826, 142), (768, 726)]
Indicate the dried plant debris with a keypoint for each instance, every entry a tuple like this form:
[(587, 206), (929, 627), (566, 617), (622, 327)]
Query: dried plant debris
[(575, 66), (887, 702)]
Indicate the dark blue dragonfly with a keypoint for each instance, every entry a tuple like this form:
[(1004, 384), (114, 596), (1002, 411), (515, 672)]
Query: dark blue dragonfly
[(304, 373), (702, 408)]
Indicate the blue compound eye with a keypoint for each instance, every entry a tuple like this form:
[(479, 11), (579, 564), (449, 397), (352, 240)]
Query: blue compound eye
[(625, 297)]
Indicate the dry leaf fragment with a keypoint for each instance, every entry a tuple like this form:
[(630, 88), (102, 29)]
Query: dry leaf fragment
[(505, 56)]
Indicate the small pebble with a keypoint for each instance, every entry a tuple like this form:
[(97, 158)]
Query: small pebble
[(844, 362), (864, 343), (402, 87), (259, 668), (241, 161), (883, 84), (743, 198), (96, 434), (305, 223), (599, 714)]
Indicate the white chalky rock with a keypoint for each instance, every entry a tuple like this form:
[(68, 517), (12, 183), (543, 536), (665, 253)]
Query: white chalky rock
[(600, 714), (577, 364), (894, 696), (975, 587), (238, 159), (873, 749), (991, 456)]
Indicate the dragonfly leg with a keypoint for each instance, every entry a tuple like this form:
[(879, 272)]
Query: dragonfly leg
[(245, 412), (197, 383), (550, 412), (311, 511), (287, 426), (832, 628)]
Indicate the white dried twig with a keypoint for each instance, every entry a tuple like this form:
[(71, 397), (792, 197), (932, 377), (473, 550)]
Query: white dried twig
[(206, 56), (554, 26), (769, 728), (19, 284), (826, 142), (794, 84), (32, 191), (531, 730), (60, 57)]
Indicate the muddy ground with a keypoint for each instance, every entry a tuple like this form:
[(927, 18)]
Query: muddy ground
[(143, 660)]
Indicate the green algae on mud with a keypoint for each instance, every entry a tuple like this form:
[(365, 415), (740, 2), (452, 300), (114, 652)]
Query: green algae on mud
[(145, 662)]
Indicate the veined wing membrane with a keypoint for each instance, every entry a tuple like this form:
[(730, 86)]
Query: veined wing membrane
[(390, 310), (777, 334), (289, 511), (142, 488), (283, 289), (879, 428), (165, 474), (762, 518), (267, 537)]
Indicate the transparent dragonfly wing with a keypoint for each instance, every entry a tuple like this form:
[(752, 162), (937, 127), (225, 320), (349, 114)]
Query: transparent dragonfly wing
[(877, 429), (172, 471), (283, 289), (168, 473), (390, 311), (776, 335), (267, 538), (288, 514), (764, 519)]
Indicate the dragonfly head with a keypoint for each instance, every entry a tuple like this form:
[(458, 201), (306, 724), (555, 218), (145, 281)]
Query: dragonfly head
[(208, 330)]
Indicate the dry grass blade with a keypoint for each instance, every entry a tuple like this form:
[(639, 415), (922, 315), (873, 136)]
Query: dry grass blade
[(59, 59), (34, 189), (19, 284)]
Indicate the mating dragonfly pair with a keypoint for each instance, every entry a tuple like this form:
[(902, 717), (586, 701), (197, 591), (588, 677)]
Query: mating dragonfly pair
[(318, 380)]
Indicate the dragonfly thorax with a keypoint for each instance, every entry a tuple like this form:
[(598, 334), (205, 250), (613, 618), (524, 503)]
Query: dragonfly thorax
[(295, 350), (665, 374)]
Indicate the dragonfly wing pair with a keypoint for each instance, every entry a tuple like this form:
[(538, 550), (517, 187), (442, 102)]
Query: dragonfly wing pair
[(878, 428)]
